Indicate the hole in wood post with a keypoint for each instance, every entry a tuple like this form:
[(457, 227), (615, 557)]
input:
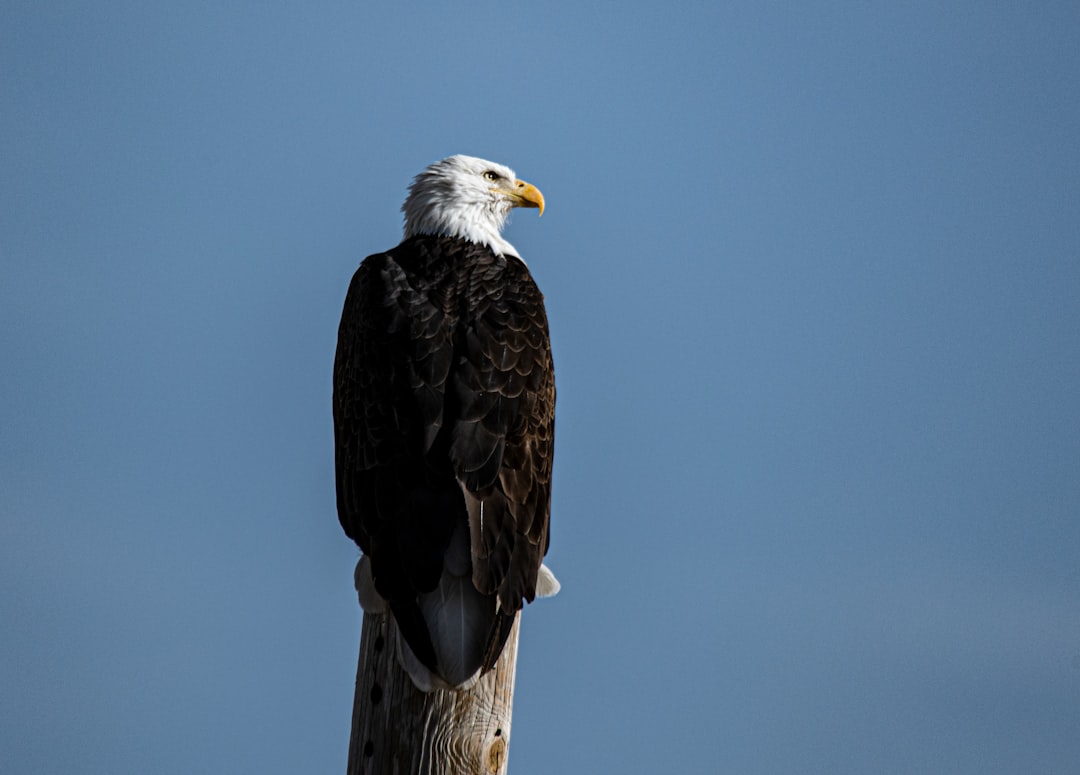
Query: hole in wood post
[(369, 749), (498, 732), (376, 694), (378, 643), (496, 754)]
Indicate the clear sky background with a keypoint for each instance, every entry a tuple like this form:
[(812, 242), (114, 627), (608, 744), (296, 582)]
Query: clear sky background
[(813, 275)]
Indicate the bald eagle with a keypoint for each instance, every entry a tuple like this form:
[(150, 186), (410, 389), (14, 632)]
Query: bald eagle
[(444, 419)]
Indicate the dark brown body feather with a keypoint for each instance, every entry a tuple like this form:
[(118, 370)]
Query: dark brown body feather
[(444, 399)]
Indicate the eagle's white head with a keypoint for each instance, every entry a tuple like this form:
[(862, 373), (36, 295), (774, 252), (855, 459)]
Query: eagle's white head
[(462, 196)]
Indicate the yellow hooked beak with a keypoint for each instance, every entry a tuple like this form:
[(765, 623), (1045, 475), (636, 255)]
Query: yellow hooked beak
[(526, 195)]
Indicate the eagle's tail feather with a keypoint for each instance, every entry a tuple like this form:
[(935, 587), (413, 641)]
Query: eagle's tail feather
[(459, 618), (467, 633)]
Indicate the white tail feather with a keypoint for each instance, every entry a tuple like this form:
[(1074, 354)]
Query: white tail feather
[(458, 617)]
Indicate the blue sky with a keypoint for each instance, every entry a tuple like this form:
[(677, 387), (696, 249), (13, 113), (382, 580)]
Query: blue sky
[(813, 278)]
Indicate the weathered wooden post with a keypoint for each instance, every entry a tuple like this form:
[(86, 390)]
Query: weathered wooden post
[(399, 730)]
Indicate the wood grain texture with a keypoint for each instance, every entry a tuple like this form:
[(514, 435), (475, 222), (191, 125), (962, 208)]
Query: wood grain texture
[(399, 730)]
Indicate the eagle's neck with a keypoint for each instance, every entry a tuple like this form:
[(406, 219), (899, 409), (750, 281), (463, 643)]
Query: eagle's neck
[(480, 222)]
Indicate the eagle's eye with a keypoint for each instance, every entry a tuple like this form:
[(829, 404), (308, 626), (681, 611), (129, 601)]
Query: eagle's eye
[(491, 175)]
